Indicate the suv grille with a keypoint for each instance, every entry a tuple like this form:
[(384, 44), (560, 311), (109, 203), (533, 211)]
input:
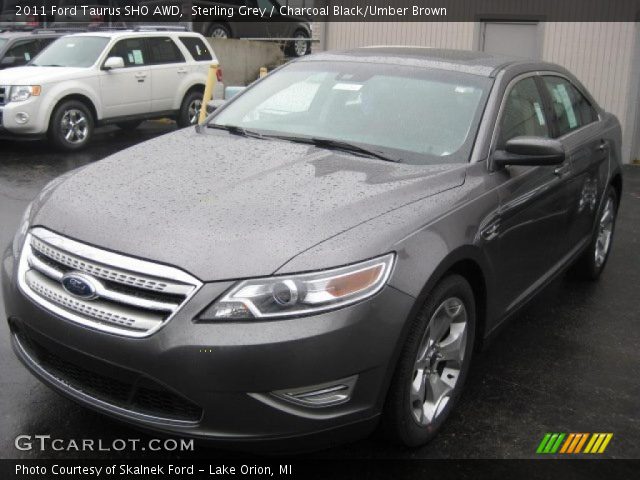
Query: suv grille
[(3, 95), (132, 297), (129, 391)]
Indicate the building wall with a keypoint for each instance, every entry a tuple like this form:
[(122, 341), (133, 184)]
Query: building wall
[(604, 56)]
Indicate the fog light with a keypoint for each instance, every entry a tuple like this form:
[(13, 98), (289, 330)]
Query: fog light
[(22, 118), (323, 395)]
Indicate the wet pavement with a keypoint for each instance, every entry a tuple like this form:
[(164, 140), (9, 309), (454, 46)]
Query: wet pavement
[(567, 363)]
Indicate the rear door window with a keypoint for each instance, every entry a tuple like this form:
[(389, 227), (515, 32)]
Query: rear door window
[(571, 110), (163, 50), (197, 48)]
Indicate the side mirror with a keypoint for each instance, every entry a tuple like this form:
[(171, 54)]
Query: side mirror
[(530, 151), (113, 63), (213, 105)]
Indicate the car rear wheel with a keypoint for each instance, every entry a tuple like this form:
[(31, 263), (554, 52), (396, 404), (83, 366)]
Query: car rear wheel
[(71, 126), (301, 46), (190, 109), (433, 365), (592, 262)]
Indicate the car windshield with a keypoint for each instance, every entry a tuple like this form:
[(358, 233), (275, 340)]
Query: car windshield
[(79, 52), (414, 115)]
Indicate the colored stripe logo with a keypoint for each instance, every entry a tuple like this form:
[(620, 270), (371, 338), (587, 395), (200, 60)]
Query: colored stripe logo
[(574, 443)]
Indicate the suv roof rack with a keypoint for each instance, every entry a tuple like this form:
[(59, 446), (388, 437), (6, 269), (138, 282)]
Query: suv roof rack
[(161, 28), (58, 30)]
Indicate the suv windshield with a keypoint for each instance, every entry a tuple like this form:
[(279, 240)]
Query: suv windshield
[(411, 114), (72, 51)]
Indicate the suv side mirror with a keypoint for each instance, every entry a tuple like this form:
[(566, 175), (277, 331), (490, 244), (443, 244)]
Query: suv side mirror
[(113, 63), (530, 151)]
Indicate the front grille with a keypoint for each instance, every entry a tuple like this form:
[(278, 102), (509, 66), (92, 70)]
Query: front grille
[(3, 95), (128, 391), (132, 297)]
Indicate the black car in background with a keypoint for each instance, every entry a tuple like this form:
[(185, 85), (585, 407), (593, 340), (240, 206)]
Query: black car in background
[(18, 47)]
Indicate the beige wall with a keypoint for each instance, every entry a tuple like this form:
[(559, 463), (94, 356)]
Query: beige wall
[(604, 56)]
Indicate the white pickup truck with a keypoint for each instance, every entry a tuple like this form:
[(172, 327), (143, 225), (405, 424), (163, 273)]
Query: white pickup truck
[(86, 80)]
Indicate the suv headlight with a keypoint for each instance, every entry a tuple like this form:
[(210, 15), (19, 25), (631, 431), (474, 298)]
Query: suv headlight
[(303, 294), (20, 93)]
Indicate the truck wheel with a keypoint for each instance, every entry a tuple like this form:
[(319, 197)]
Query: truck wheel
[(301, 46), (71, 126), (190, 109), (218, 30), (433, 365)]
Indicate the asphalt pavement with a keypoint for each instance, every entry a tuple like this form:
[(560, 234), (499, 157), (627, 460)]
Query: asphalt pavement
[(567, 363)]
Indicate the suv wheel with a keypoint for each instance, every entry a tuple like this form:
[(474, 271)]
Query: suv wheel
[(71, 126), (190, 109), (301, 46), (433, 365), (218, 30), (591, 264)]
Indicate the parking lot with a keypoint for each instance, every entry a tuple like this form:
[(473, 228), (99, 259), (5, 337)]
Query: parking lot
[(567, 363)]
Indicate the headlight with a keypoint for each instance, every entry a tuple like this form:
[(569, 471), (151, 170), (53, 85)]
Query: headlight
[(20, 93), (19, 237), (302, 294)]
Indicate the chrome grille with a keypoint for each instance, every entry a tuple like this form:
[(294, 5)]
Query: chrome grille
[(3, 95), (133, 297)]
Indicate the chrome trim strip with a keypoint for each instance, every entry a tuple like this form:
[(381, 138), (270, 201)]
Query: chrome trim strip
[(94, 309), (103, 258), (93, 401), (151, 276), (103, 292)]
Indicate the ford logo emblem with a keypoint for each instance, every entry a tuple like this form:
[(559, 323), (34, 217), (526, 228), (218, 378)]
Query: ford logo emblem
[(80, 285)]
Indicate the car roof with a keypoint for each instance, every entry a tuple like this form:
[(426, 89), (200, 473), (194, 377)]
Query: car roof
[(466, 61), (27, 34)]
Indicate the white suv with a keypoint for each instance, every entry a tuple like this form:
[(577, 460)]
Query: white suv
[(113, 77)]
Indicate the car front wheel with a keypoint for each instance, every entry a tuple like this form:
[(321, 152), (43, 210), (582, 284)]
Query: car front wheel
[(301, 46), (433, 365), (71, 126)]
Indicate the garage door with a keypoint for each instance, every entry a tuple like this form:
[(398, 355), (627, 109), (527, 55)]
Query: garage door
[(518, 39)]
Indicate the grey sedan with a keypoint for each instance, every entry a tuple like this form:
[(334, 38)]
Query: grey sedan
[(326, 254)]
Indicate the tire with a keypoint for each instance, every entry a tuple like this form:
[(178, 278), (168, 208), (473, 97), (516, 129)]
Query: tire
[(130, 125), (218, 30), (189, 109), (301, 47), (71, 126), (592, 262), (411, 418)]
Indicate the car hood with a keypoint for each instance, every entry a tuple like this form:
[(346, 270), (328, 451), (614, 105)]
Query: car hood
[(35, 75), (223, 206)]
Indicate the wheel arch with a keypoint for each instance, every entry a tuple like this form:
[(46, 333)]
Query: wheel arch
[(616, 183), (77, 97)]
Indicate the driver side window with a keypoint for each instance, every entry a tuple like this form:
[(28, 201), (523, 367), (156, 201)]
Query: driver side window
[(523, 114)]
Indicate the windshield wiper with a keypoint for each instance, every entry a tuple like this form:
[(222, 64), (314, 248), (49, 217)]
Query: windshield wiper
[(339, 145), (236, 130)]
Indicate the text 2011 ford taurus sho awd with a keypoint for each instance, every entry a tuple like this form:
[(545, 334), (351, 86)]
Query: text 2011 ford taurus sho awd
[(324, 255)]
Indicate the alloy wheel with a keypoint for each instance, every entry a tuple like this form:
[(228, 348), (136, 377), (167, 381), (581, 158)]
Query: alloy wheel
[(300, 46), (219, 32), (74, 126), (439, 361), (194, 111), (605, 231)]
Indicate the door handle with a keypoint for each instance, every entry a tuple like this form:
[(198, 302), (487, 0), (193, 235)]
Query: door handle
[(562, 169), (182, 70), (602, 147)]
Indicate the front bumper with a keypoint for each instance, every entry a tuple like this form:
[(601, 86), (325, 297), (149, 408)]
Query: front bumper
[(223, 371), (36, 124)]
